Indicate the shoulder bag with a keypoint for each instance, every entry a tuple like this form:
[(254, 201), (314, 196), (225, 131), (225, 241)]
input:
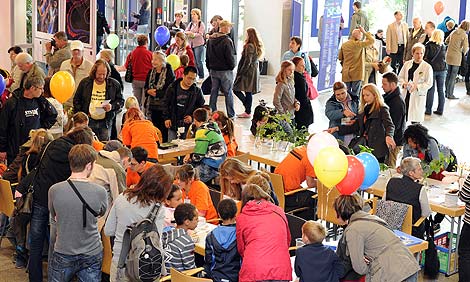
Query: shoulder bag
[(129, 77)]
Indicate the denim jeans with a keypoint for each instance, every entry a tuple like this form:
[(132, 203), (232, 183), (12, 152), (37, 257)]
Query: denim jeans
[(198, 57), (247, 100), (64, 267), (354, 87), (439, 78), (464, 253), (37, 234), (206, 172), (450, 79), (222, 80), (412, 278), (101, 128)]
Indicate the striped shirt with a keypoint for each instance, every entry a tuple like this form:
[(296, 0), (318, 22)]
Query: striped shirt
[(464, 195), (179, 249)]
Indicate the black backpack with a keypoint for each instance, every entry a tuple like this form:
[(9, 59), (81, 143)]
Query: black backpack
[(431, 260)]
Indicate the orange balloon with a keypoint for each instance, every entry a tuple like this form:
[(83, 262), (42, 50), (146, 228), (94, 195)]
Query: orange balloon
[(62, 86), (439, 7)]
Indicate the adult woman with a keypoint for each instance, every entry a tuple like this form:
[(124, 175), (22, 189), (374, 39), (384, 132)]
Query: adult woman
[(195, 33), (416, 78), (373, 123), (157, 81), (57, 129), (143, 17), (39, 138), (178, 25), (284, 94), (134, 205), (435, 56), (294, 50), (262, 231), (181, 47), (304, 116), (341, 108), (457, 46), (374, 250), (138, 131)]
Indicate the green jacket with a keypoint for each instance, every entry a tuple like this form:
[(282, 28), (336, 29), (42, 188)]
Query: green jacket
[(210, 145)]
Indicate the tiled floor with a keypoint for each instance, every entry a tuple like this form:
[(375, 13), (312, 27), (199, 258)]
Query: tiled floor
[(449, 129)]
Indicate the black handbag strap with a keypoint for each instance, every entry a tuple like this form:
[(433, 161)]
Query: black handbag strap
[(85, 204), (31, 186)]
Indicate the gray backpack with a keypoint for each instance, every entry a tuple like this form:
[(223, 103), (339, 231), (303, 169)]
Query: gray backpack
[(142, 256)]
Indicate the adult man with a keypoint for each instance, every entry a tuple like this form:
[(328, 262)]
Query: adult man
[(77, 249), (397, 35), (26, 109), (359, 18), (416, 34), (428, 29), (117, 160), (100, 97), (407, 190), (137, 166), (351, 56), (53, 168), (183, 98), (220, 62), (57, 51), (397, 107), (295, 169), (29, 69), (77, 66)]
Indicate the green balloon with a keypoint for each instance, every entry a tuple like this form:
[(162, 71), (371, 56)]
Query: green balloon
[(112, 41)]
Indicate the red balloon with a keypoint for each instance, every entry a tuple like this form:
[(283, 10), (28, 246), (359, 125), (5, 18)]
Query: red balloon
[(439, 7), (353, 178)]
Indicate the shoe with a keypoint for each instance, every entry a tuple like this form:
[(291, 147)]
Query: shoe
[(436, 227), (19, 264), (452, 97), (244, 115), (428, 113), (438, 113)]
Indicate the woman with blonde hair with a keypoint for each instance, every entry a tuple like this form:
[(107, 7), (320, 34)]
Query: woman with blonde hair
[(373, 124), (181, 47), (435, 55), (284, 94), (247, 79), (39, 138), (195, 33)]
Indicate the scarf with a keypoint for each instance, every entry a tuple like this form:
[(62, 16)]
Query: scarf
[(161, 78)]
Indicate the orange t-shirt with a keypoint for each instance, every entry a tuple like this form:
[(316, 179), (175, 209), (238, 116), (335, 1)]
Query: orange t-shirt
[(141, 133), (200, 197), (293, 170), (232, 146), (133, 177), (97, 145)]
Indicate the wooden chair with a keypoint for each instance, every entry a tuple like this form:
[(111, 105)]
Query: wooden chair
[(171, 169), (185, 276), (215, 196), (245, 158), (295, 227), (107, 253), (6, 204)]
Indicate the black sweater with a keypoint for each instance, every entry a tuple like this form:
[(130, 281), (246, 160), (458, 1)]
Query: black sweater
[(220, 54)]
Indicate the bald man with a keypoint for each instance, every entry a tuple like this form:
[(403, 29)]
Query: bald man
[(416, 35)]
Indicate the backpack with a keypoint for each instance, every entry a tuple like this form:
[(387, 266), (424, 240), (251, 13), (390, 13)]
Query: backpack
[(313, 66), (142, 253)]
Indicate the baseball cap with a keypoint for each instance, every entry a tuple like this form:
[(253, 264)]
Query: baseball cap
[(76, 45)]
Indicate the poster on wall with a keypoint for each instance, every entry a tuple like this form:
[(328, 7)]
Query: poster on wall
[(47, 19), (329, 43), (77, 20)]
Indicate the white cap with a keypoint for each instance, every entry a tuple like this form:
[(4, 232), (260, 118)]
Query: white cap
[(76, 45)]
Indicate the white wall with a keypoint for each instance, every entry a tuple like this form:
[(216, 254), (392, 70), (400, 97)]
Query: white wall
[(425, 10), (5, 31), (19, 12), (272, 20)]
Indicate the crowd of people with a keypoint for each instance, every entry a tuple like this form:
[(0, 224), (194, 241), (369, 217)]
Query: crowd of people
[(90, 180)]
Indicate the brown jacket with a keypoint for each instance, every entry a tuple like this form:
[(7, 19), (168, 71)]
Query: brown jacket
[(351, 56), (412, 40), (457, 44), (392, 37)]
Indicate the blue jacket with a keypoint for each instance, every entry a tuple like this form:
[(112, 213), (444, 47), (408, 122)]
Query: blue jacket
[(334, 111), (317, 263), (222, 260)]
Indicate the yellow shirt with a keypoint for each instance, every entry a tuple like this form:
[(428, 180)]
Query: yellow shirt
[(98, 95)]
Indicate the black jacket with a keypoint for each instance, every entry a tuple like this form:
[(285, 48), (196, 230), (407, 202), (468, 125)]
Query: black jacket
[(158, 102), (316, 262), (435, 55), (196, 100), (397, 111), (82, 98), (376, 127), (101, 24), (220, 54), (115, 74), (303, 117), (13, 131)]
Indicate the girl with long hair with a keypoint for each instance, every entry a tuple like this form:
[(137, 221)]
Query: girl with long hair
[(284, 94), (227, 128)]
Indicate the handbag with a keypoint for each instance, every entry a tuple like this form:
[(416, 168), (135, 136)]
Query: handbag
[(431, 259), (129, 77), (312, 92)]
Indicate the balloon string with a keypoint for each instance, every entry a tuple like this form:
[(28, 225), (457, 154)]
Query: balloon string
[(328, 202)]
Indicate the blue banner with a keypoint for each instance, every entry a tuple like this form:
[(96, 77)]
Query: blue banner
[(329, 44)]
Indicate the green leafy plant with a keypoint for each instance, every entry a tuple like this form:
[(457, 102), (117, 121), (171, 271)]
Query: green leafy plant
[(437, 165), (275, 131)]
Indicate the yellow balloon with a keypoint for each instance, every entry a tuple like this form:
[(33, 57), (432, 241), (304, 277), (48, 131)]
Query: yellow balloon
[(331, 166), (174, 61), (62, 86)]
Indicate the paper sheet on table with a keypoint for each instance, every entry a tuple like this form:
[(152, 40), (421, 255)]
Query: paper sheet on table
[(99, 110)]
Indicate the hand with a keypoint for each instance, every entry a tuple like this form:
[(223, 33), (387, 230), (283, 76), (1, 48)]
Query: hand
[(390, 142), (388, 51), (375, 66), (107, 107), (187, 158), (167, 123), (188, 119), (348, 113), (48, 46), (297, 107), (332, 129), (412, 87), (3, 156), (362, 29), (152, 92)]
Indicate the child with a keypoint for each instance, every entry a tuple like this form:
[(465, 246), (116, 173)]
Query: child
[(226, 126), (174, 199), (184, 61), (195, 191), (178, 244), (200, 116), (315, 262), (131, 102), (222, 260)]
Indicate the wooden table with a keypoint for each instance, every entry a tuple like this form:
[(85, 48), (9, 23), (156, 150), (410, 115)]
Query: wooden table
[(184, 147), (436, 190), (202, 231), (262, 153)]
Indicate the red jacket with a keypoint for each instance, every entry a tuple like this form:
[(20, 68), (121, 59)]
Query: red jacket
[(263, 240), (141, 62), (174, 50)]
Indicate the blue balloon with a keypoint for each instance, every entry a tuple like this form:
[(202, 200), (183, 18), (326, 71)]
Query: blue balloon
[(162, 35), (371, 169), (3, 83)]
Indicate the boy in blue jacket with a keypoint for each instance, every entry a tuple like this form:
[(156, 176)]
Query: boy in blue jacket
[(222, 261)]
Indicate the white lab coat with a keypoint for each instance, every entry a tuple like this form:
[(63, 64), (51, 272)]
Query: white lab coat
[(423, 77)]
